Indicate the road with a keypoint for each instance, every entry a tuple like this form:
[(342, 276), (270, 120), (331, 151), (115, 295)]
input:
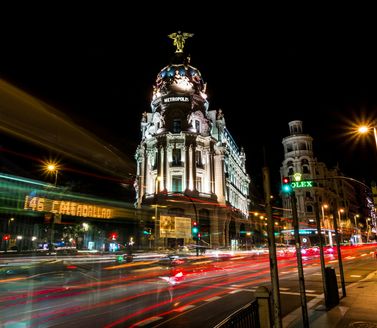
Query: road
[(154, 292)]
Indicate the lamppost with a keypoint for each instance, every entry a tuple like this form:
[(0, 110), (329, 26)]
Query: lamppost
[(341, 223), (357, 236), (363, 129), (52, 168), (325, 223)]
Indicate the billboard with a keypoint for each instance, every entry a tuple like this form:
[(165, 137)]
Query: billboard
[(175, 227)]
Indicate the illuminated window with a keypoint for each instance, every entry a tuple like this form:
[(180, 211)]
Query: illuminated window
[(176, 183)]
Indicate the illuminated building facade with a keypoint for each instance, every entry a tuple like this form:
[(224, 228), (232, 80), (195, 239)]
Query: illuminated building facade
[(335, 195), (188, 164), (35, 213)]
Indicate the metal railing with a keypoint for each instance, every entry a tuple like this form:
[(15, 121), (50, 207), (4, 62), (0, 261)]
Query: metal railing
[(246, 317)]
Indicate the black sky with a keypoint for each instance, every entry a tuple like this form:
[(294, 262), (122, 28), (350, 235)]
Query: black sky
[(262, 69)]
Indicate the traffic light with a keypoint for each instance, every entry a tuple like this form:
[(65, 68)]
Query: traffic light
[(195, 230), (6, 237), (147, 231), (286, 185), (113, 236)]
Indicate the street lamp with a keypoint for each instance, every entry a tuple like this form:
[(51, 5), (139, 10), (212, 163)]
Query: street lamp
[(357, 240), (326, 224), (363, 129), (52, 168), (341, 222)]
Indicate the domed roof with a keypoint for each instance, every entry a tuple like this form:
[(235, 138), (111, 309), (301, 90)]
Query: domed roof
[(180, 78)]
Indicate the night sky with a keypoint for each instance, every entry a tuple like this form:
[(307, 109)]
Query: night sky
[(262, 70)]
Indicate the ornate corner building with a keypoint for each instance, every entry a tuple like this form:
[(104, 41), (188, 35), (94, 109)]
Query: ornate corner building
[(335, 194), (189, 168)]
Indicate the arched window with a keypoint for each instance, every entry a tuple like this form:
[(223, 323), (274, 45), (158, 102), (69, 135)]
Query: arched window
[(309, 209), (301, 146)]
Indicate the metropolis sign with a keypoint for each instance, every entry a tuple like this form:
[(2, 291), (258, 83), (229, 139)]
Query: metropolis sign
[(184, 99)]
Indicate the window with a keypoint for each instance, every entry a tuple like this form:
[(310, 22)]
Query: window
[(289, 148), (197, 126), (176, 183), (307, 194), (199, 183), (198, 157), (176, 155), (290, 171), (309, 208), (305, 169), (176, 126)]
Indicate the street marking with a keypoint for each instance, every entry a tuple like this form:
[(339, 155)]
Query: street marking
[(235, 291), (310, 291), (235, 285), (284, 288), (317, 274), (212, 299), (285, 272), (364, 254), (184, 308), (355, 275), (333, 261), (147, 321)]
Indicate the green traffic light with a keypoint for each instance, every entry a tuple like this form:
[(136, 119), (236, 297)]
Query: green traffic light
[(195, 230), (287, 188)]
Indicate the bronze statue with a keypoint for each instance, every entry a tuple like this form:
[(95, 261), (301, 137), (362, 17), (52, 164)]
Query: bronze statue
[(179, 40)]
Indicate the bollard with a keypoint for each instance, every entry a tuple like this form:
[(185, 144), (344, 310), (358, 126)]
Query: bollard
[(263, 296)]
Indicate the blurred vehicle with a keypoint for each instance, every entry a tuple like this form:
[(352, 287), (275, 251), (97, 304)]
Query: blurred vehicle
[(121, 258)]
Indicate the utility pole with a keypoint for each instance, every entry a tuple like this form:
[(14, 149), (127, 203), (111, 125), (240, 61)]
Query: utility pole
[(340, 262), (272, 250), (300, 269), (321, 253)]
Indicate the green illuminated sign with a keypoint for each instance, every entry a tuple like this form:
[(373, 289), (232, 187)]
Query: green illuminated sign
[(302, 184)]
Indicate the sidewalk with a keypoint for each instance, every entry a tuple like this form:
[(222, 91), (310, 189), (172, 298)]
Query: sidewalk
[(357, 310)]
